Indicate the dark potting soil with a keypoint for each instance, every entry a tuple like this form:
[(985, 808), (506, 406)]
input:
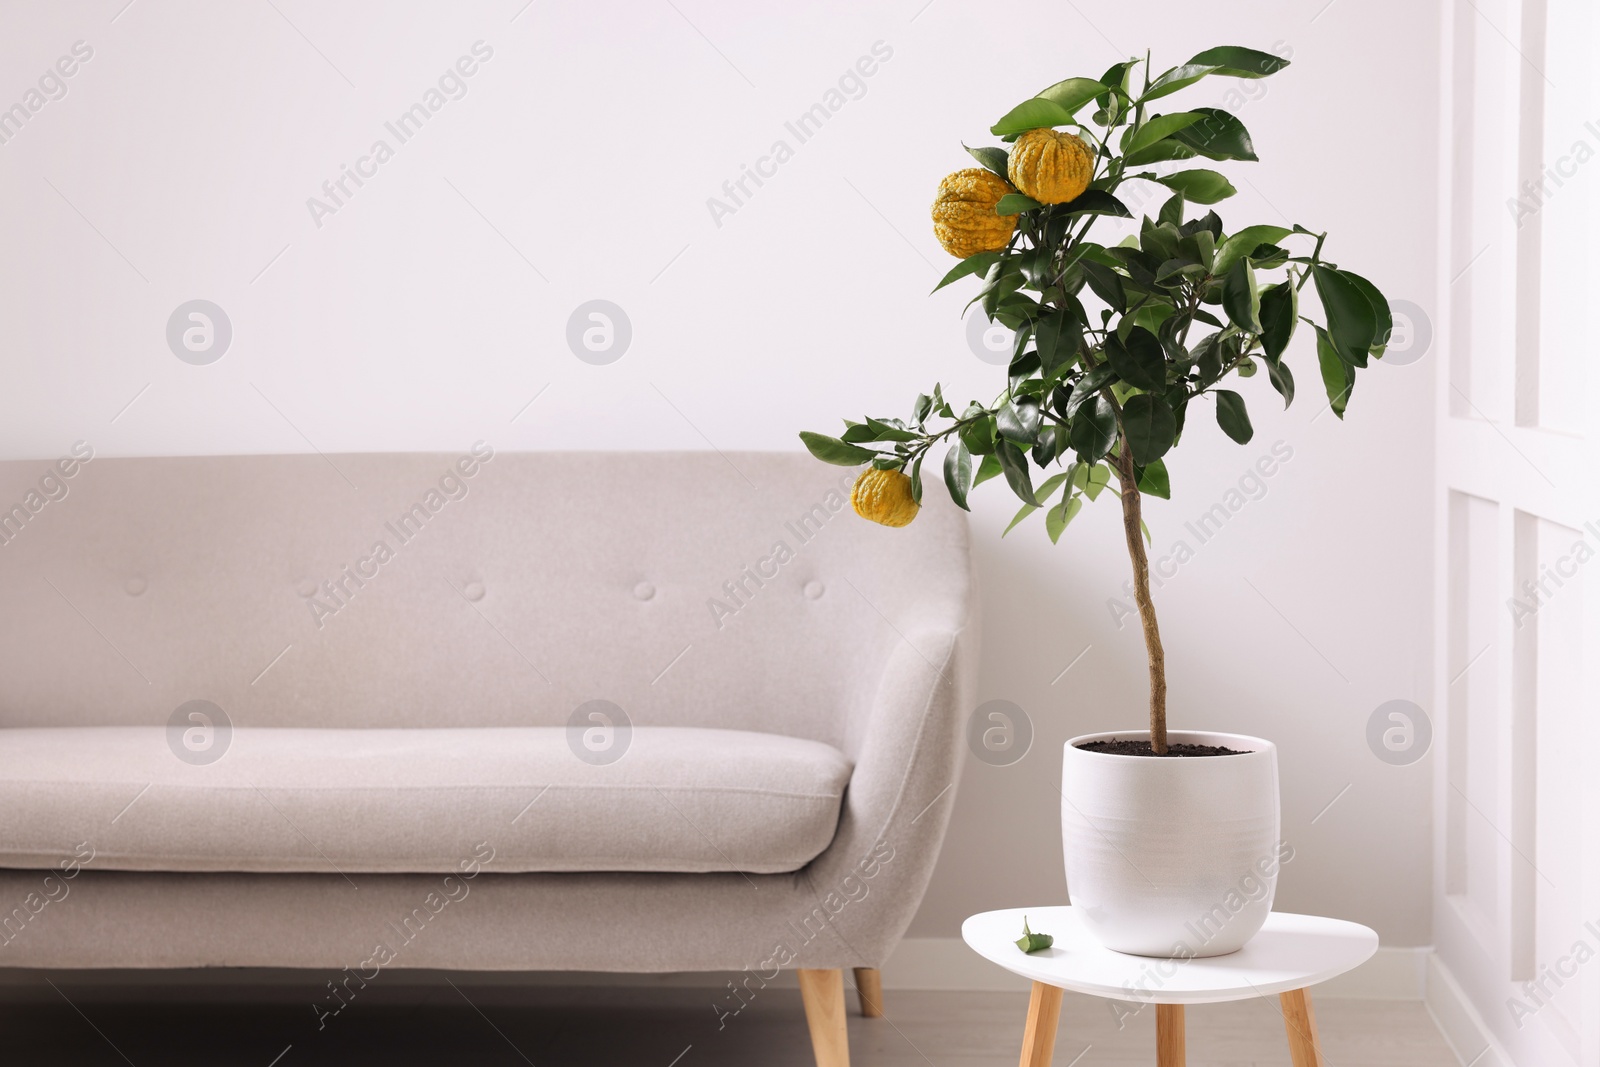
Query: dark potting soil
[(1142, 748)]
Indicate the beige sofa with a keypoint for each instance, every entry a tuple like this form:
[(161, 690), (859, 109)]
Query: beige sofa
[(634, 712)]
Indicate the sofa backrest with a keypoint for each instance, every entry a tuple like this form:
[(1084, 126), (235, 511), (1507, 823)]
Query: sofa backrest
[(480, 588)]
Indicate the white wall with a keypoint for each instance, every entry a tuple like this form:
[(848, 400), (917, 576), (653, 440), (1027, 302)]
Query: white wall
[(432, 306)]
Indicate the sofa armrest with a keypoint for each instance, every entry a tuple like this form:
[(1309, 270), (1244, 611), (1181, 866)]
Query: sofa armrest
[(908, 751)]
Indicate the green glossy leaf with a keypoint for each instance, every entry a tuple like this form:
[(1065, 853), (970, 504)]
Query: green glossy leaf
[(1158, 128), (832, 450), (1047, 339), (1018, 420), (1015, 204), (1003, 279), (1072, 94), (1022, 513), (1338, 376), (1031, 115), (1092, 479), (1055, 523), (958, 474), (1172, 211), (1138, 359), (1050, 485), (978, 263), (1380, 310), (988, 468), (1232, 61), (890, 431), (1089, 385), (1218, 135), (1154, 481), (1093, 429), (994, 160), (1159, 240), (1240, 297), (1352, 320), (1199, 185), (1014, 465), (1044, 452), (1161, 151), (1280, 311), (1232, 416), (1150, 426), (978, 435), (1282, 380), (1106, 284), (1096, 202), (1022, 368), (1241, 244), (1177, 78), (1117, 74)]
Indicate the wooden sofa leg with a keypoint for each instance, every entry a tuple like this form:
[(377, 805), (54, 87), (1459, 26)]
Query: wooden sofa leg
[(822, 991), (869, 987)]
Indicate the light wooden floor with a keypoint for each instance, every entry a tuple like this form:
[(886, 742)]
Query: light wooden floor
[(676, 1028)]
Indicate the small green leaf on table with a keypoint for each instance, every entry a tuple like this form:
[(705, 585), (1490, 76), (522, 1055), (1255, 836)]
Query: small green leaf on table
[(1032, 942)]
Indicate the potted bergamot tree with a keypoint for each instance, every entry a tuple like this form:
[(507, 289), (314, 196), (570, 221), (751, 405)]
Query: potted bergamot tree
[(1167, 833)]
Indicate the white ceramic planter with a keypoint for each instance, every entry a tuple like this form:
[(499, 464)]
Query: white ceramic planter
[(1172, 857)]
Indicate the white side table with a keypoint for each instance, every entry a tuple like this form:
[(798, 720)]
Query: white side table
[(1290, 954)]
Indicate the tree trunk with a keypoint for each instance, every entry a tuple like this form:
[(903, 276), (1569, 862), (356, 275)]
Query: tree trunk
[(1132, 529)]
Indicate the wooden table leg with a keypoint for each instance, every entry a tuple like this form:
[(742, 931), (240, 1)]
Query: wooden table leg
[(1300, 1021), (1039, 1037), (1169, 1035)]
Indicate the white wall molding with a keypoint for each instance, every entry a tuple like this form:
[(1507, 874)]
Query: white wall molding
[(1469, 1036)]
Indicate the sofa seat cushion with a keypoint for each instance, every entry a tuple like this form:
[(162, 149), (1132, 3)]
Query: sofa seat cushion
[(418, 800)]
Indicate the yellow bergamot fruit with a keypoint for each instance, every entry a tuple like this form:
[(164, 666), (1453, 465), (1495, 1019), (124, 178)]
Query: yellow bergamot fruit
[(884, 497), (1051, 166), (963, 213)]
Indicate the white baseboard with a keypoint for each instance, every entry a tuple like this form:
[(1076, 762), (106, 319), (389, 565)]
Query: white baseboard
[(1393, 974), (1469, 1036), (947, 963)]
